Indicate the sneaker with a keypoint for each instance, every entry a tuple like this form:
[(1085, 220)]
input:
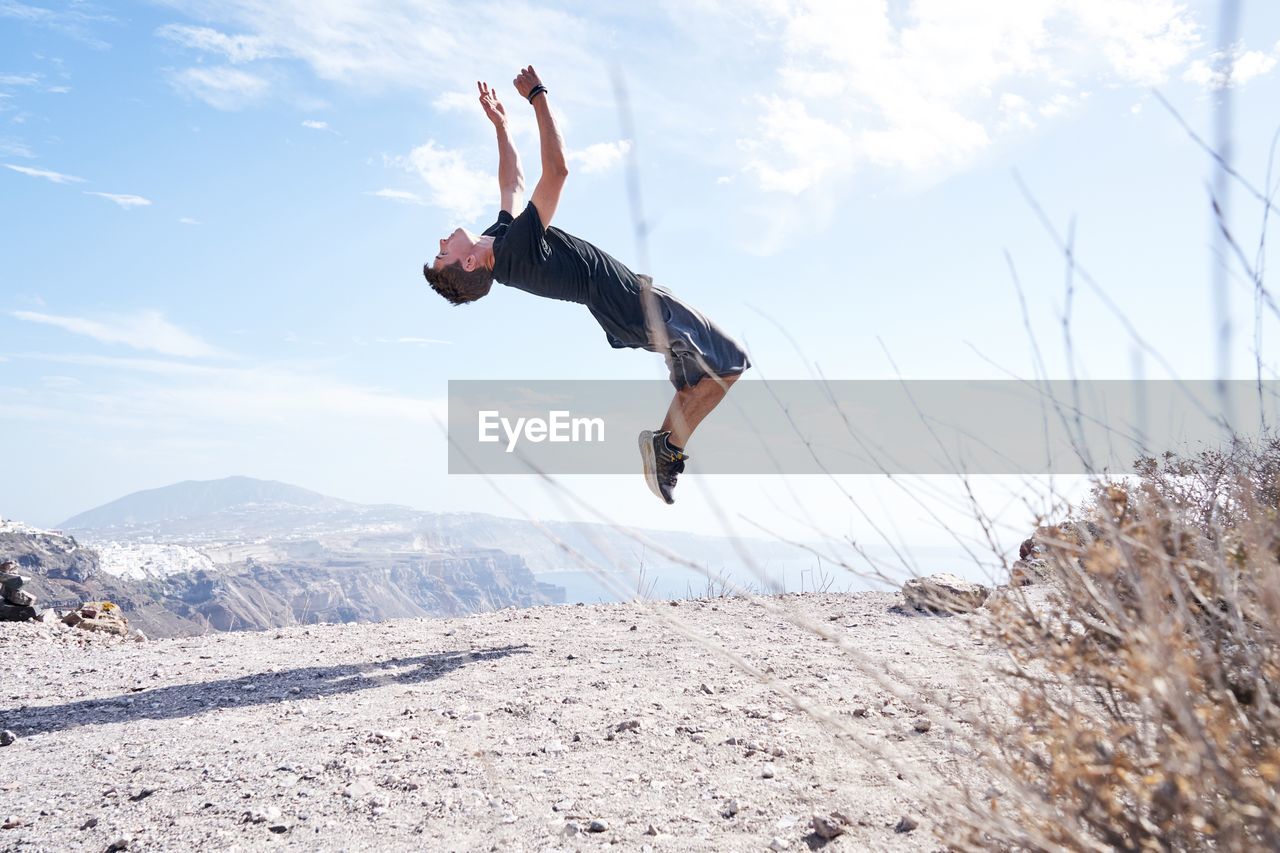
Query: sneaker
[(663, 462)]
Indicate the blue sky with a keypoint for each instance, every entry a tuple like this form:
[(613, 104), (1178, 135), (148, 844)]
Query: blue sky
[(215, 216)]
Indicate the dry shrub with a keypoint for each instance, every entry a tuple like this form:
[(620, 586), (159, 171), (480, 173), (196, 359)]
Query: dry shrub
[(1147, 680)]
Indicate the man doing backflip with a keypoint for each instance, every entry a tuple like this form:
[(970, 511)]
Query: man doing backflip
[(525, 252)]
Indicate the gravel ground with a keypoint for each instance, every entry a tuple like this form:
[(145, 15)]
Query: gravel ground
[(553, 728)]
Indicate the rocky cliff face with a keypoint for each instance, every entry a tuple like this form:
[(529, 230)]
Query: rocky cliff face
[(257, 595), (322, 586), (50, 555)]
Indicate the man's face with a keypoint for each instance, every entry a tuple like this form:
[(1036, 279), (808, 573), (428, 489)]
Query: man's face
[(458, 246)]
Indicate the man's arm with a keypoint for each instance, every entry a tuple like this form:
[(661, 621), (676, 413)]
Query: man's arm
[(510, 178), (546, 195)]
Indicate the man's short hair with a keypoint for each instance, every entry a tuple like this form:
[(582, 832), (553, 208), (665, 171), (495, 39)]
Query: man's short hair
[(456, 284)]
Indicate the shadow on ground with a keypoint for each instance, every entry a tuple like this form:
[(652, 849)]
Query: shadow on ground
[(187, 700)]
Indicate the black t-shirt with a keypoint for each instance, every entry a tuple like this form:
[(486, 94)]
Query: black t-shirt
[(549, 262)]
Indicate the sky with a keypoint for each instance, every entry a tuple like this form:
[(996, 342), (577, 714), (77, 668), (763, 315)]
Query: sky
[(213, 217)]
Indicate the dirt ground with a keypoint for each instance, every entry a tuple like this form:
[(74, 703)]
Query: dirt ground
[(641, 725)]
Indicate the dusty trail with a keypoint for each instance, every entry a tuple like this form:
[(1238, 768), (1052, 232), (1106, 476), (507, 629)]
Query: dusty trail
[(513, 730)]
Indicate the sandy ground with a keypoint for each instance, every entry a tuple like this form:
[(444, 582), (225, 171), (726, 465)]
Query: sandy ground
[(513, 730)]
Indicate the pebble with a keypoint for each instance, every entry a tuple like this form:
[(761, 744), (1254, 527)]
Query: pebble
[(922, 725), (7, 737), (829, 826), (777, 843), (627, 726), (730, 809), (358, 789), (598, 826), (905, 824), (652, 830), (767, 772)]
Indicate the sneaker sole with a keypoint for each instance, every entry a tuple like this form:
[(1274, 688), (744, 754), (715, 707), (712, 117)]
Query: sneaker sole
[(650, 464)]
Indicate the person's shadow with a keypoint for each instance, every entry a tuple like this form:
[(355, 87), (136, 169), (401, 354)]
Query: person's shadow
[(186, 700)]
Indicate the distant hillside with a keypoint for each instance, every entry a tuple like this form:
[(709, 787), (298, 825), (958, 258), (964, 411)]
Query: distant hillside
[(197, 498)]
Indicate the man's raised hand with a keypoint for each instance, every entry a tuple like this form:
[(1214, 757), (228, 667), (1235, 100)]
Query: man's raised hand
[(491, 105), (526, 81)]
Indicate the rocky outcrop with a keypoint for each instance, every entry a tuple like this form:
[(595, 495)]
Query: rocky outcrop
[(44, 553), (259, 595), (324, 586), (944, 593)]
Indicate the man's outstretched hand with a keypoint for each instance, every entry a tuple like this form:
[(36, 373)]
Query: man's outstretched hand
[(491, 105), (526, 81)]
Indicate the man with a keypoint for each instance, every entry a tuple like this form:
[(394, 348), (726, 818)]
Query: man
[(525, 252)]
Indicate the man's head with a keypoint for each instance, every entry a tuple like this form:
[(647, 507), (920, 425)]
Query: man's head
[(463, 271)]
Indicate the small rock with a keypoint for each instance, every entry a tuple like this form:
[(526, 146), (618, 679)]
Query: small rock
[(118, 844), (7, 737), (89, 824), (570, 829), (922, 725), (944, 593), (138, 637), (278, 828), (830, 826), (767, 772), (11, 822), (860, 711), (905, 824), (777, 843), (652, 830), (707, 690), (598, 826), (627, 726), (730, 809), (358, 789), (142, 794)]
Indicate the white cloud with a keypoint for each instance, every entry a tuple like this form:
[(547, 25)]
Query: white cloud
[(236, 48), (19, 79), (56, 177), (197, 398), (75, 23), (399, 195), (187, 220), (125, 200), (1235, 67), (455, 187), (401, 42), (599, 157), (146, 330), (221, 86), (315, 125), (454, 102), (924, 87)]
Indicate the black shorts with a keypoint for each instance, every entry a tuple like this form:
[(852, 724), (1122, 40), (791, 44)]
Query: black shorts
[(697, 347)]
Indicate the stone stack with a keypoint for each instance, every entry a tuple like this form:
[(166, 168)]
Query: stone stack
[(98, 616), (16, 604)]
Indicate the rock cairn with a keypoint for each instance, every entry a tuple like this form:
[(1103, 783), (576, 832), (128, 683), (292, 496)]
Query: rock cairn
[(98, 616), (16, 604)]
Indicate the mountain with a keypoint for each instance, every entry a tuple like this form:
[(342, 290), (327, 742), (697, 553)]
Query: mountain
[(200, 498), (240, 518)]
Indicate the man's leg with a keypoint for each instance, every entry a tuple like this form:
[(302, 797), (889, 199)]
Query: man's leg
[(692, 404)]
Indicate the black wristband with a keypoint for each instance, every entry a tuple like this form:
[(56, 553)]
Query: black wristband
[(536, 91)]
